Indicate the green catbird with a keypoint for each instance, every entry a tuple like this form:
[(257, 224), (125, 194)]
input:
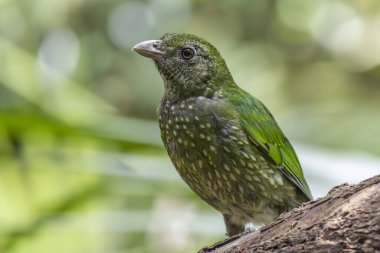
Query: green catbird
[(224, 143)]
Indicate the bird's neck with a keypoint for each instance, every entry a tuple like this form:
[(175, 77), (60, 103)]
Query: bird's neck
[(181, 89)]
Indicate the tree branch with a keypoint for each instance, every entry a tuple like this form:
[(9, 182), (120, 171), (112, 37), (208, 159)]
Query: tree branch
[(347, 219)]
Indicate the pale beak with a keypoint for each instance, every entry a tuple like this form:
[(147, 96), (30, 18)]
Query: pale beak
[(149, 49)]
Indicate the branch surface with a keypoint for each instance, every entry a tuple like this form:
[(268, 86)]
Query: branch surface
[(347, 219)]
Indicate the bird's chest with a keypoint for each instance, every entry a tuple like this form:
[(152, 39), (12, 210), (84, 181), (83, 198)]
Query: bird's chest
[(190, 136), (213, 156), (186, 131)]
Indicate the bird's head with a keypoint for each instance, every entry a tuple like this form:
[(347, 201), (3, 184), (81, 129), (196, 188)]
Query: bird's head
[(189, 65)]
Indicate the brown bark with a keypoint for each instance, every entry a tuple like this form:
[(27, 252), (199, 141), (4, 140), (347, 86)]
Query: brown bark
[(347, 219)]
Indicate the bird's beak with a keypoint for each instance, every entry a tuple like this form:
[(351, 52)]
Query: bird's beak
[(149, 49)]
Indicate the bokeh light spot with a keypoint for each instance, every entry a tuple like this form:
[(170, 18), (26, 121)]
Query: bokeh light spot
[(352, 39), (297, 14), (130, 23), (59, 52)]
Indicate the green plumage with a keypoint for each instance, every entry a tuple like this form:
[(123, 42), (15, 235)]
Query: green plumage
[(224, 142)]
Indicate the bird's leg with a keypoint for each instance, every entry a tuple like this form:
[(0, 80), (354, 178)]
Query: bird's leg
[(232, 227)]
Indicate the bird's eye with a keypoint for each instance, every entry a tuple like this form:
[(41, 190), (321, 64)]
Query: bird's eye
[(187, 53)]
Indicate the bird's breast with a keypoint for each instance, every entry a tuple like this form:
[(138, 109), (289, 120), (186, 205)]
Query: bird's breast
[(190, 135), (214, 157)]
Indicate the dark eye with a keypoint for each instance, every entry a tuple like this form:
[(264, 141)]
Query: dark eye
[(187, 53)]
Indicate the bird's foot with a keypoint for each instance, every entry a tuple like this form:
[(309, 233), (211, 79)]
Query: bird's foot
[(249, 228)]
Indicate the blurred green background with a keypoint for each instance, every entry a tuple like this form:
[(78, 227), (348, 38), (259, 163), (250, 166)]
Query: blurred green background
[(82, 167)]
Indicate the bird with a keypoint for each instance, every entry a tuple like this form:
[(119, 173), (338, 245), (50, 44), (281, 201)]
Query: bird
[(224, 142)]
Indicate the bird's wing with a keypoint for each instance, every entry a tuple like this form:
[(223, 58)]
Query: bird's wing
[(264, 132)]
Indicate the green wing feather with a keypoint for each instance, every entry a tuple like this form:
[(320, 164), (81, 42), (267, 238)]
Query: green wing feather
[(264, 132)]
